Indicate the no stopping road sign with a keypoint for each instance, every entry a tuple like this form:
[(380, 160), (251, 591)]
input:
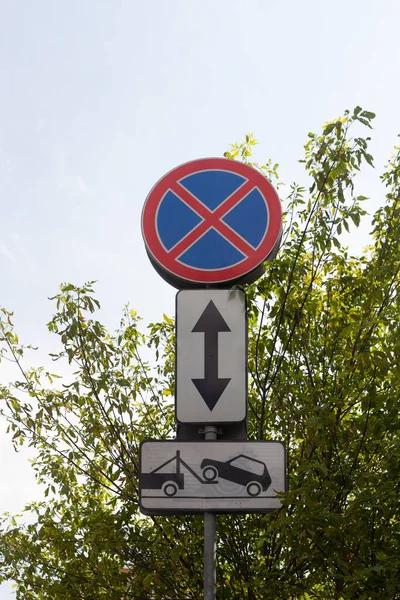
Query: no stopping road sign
[(212, 221)]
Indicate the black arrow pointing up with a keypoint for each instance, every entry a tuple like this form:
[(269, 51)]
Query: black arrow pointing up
[(211, 323)]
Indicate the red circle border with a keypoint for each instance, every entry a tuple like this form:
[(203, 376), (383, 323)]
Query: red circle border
[(191, 274)]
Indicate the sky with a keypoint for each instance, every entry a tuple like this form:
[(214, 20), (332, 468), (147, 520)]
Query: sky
[(100, 98)]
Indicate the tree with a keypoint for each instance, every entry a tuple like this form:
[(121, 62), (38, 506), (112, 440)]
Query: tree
[(324, 377)]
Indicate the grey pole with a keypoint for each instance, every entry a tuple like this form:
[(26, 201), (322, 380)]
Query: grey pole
[(210, 529)]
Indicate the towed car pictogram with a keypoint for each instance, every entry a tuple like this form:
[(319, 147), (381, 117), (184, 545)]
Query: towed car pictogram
[(243, 470)]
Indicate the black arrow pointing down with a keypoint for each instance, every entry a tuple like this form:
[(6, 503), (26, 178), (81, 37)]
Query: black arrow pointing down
[(211, 323)]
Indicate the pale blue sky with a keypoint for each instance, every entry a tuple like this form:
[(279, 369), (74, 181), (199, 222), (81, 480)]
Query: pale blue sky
[(99, 98)]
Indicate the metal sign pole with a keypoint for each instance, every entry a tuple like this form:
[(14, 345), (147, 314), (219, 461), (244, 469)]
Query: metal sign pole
[(210, 534)]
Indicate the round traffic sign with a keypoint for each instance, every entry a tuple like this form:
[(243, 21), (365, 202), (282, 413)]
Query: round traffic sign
[(211, 222)]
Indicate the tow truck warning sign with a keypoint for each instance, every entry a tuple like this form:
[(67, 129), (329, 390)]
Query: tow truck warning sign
[(221, 476)]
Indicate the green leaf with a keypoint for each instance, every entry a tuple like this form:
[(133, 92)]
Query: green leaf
[(329, 128), (147, 581), (368, 115), (346, 331), (369, 159)]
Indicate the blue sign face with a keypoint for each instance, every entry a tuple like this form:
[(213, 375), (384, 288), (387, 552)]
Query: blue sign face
[(211, 221), (217, 246)]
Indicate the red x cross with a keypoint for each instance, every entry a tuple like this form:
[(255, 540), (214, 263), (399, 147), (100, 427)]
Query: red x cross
[(211, 219)]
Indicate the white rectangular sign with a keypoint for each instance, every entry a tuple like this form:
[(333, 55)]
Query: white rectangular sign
[(184, 477), (211, 356)]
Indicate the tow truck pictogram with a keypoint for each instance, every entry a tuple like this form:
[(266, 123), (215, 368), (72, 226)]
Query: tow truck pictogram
[(169, 482), (241, 469)]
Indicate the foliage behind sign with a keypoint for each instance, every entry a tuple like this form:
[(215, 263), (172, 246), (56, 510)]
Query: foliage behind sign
[(324, 377)]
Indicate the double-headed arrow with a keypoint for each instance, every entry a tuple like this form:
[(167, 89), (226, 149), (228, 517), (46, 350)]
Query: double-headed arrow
[(211, 323)]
